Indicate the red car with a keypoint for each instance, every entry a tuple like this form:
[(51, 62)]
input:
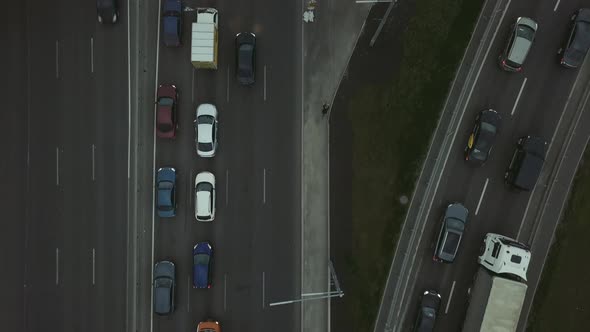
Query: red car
[(166, 113)]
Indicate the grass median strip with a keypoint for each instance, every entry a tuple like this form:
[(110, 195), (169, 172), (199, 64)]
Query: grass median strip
[(392, 126), (561, 301)]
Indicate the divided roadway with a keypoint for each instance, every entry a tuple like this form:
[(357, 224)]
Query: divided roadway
[(531, 103)]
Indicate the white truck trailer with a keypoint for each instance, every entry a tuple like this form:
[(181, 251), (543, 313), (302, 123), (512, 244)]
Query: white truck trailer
[(204, 39), (499, 288)]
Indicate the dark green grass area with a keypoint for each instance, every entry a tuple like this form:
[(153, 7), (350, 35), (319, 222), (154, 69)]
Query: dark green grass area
[(561, 302), (389, 148)]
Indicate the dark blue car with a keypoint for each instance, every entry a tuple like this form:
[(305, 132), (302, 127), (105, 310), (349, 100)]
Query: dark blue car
[(166, 192), (172, 23), (202, 258)]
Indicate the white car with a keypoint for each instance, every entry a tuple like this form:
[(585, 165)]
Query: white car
[(206, 130), (205, 196)]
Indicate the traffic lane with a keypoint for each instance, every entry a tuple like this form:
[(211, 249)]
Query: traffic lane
[(276, 132), (41, 291), (14, 194), (75, 164), (107, 65), (280, 154)]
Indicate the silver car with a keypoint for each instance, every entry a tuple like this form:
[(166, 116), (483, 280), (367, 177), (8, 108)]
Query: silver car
[(206, 130), (519, 43), (451, 232)]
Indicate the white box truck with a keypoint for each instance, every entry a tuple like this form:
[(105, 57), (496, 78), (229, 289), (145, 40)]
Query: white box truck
[(499, 288), (204, 39)]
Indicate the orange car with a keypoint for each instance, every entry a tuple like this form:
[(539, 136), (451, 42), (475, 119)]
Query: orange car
[(208, 326)]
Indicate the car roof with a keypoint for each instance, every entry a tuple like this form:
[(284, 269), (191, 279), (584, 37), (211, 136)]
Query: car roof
[(162, 300), (205, 133), (581, 40), (165, 114), (203, 206), (529, 172)]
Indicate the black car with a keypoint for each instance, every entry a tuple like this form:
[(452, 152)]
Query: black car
[(451, 233), (427, 312), (481, 141), (107, 11), (578, 42), (526, 164), (164, 285), (172, 23), (246, 57)]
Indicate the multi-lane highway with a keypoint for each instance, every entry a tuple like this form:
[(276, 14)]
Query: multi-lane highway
[(75, 184), (256, 231), (531, 103)]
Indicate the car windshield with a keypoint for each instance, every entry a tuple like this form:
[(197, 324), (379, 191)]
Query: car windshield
[(205, 119), (204, 186), (205, 147), (201, 259), (165, 101), (525, 32)]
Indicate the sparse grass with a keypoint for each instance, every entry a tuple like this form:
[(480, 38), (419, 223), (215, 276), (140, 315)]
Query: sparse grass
[(561, 302), (389, 149)]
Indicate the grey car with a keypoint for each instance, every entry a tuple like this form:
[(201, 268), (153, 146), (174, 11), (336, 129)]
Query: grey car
[(451, 232), (164, 285), (519, 43), (578, 42)]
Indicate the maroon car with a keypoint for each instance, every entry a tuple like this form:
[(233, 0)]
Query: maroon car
[(166, 112)]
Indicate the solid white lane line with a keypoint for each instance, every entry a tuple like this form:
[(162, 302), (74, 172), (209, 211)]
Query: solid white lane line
[(264, 185), (481, 197), (153, 163), (93, 266), (56, 59), (518, 97), (57, 266), (450, 296), (193, 86), (556, 4), (226, 186), (188, 298), (227, 84), (224, 292), (263, 289), (264, 82), (93, 149), (57, 166), (91, 54), (372, 1)]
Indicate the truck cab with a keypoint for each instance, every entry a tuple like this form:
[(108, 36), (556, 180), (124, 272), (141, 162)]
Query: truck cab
[(504, 256)]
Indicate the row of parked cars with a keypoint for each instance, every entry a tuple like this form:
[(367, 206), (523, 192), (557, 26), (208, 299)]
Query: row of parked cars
[(206, 144), (527, 161)]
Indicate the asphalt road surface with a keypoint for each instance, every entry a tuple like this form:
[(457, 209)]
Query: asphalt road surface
[(256, 231), (530, 103), (74, 158)]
